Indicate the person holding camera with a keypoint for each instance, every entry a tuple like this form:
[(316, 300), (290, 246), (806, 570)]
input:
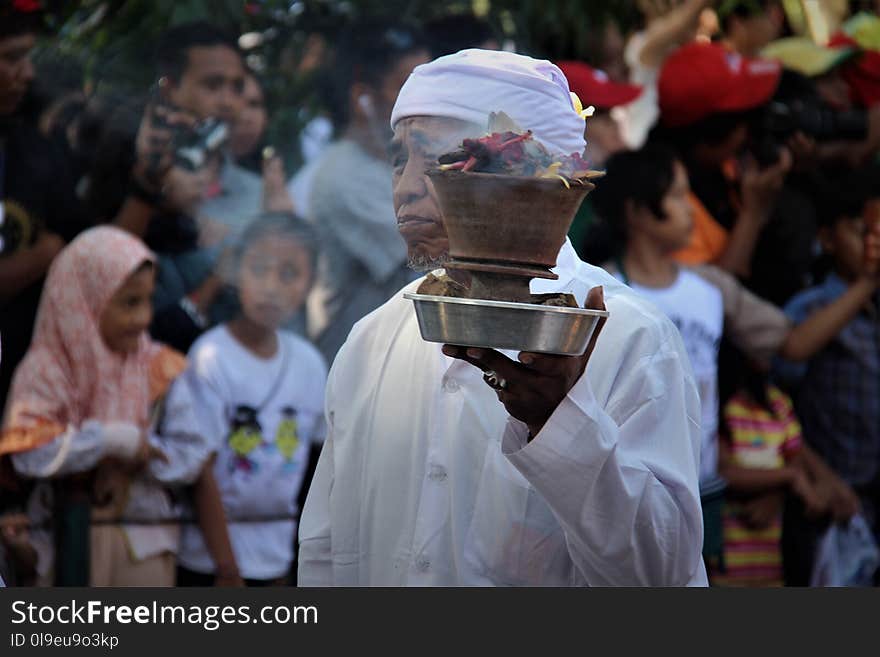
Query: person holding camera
[(200, 83), (185, 272), (182, 138), (708, 100)]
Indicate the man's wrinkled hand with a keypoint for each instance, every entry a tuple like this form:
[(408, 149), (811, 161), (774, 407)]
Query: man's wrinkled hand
[(533, 388)]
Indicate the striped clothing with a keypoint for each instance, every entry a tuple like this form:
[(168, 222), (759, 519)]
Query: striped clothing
[(758, 438)]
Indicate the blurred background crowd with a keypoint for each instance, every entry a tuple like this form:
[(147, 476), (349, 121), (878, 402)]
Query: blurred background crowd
[(741, 140)]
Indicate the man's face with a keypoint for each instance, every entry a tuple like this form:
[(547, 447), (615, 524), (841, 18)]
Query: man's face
[(16, 70), (417, 143), (211, 85)]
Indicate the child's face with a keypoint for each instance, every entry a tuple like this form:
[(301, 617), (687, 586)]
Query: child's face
[(673, 230), (274, 278), (845, 242), (129, 312)]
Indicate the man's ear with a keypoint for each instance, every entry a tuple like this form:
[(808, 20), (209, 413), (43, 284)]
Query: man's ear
[(361, 100)]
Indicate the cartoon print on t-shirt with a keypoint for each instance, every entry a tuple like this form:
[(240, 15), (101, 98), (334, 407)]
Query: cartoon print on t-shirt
[(245, 436), (286, 438)]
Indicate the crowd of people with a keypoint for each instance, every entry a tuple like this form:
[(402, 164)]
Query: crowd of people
[(209, 376)]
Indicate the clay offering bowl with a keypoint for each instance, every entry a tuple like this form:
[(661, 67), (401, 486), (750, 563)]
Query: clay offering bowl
[(505, 229)]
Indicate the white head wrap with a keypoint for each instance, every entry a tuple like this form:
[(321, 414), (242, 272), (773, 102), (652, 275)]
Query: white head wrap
[(472, 83)]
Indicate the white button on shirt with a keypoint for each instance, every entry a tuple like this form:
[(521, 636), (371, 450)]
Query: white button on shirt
[(450, 385), (437, 473), (605, 494)]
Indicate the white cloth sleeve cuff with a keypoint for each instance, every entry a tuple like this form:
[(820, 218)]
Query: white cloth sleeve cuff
[(121, 439), (573, 431)]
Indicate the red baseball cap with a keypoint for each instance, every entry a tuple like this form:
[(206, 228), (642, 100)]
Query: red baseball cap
[(594, 87), (701, 79)]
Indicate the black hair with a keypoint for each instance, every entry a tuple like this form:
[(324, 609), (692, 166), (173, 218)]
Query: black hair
[(641, 177), (277, 224), (16, 22), (741, 9), (113, 160), (109, 177), (172, 52), (712, 130), (738, 374), (259, 79), (453, 32), (842, 193), (368, 50)]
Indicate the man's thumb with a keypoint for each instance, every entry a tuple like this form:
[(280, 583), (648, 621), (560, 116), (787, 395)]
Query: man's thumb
[(595, 299)]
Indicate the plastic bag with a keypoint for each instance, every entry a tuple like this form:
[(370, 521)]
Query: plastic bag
[(847, 555)]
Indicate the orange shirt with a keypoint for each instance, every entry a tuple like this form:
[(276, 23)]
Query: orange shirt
[(708, 239)]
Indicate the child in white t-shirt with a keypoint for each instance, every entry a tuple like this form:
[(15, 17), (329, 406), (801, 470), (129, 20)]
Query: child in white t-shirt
[(257, 394), (652, 220)]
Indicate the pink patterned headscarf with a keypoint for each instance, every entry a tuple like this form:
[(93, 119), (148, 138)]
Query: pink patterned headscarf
[(69, 375)]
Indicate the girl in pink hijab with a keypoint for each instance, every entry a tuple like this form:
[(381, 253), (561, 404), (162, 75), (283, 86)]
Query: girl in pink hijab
[(79, 419)]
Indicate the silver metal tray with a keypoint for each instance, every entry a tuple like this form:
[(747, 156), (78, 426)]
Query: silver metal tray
[(505, 325)]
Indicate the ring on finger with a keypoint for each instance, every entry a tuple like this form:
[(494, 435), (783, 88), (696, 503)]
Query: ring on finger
[(495, 381)]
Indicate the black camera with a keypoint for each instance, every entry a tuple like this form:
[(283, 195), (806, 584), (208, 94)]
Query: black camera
[(193, 147), (780, 120)]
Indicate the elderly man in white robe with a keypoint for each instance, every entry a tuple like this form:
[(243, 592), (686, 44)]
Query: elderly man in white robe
[(579, 471)]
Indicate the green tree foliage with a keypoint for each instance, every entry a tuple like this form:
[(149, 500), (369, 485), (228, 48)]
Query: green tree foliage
[(112, 41)]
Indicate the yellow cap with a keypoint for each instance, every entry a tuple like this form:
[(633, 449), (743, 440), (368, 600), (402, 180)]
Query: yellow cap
[(800, 54)]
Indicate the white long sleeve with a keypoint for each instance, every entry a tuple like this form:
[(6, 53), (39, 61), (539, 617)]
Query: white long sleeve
[(314, 562), (425, 480), (628, 515), (189, 432), (79, 449)]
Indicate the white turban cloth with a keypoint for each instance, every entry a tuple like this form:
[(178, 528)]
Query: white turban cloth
[(471, 84)]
